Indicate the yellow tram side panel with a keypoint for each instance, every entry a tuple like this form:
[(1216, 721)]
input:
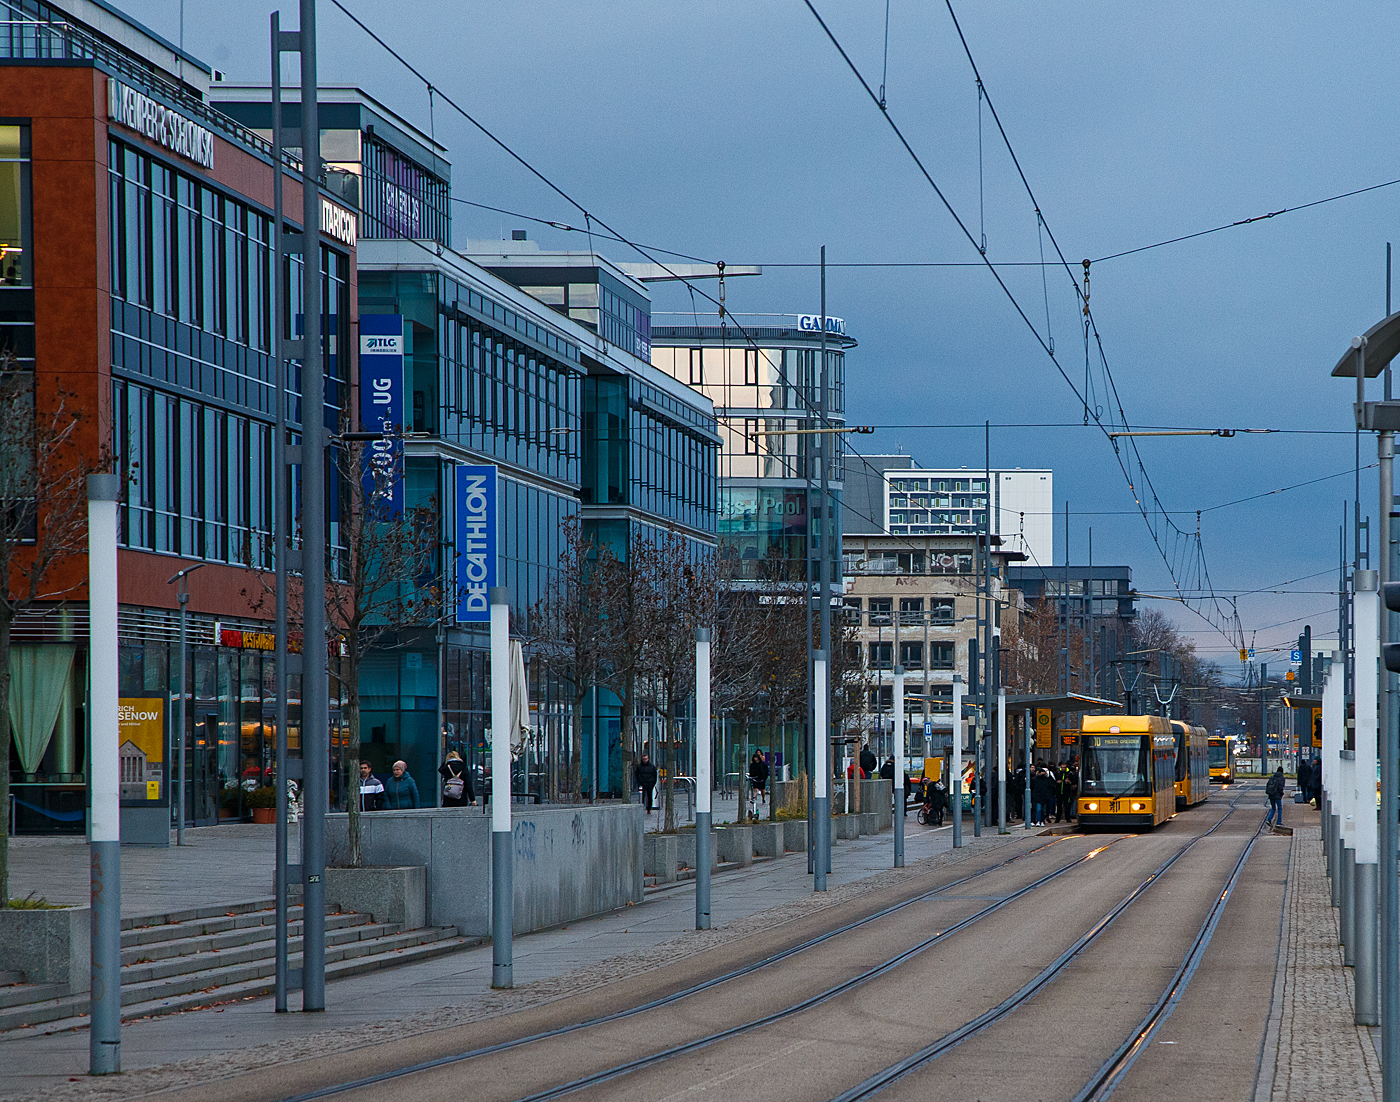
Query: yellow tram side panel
[(1192, 765), (1135, 812)]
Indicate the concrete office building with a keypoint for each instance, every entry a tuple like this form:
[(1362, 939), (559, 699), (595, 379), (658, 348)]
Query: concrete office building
[(136, 228)]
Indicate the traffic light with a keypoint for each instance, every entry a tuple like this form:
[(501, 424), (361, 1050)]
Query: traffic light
[(1390, 652)]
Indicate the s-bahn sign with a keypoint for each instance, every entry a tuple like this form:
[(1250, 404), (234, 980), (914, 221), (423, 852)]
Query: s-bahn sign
[(165, 127)]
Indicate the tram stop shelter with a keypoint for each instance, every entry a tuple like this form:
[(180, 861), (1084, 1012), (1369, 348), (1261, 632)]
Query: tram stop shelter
[(1041, 712), (1307, 729)]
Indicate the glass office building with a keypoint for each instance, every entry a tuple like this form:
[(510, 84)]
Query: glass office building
[(764, 382)]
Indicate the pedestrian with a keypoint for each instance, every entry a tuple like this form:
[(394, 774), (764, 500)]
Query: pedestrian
[(400, 790), (887, 770), (644, 776), (457, 787), (1072, 791), (868, 762), (1304, 779), (1317, 783), (937, 801), (1018, 793), (371, 789), (1042, 793), (1274, 790), (758, 776)]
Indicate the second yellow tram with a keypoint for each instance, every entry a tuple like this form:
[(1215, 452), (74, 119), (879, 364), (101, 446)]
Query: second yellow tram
[(1127, 772), (1222, 759), (1192, 764)]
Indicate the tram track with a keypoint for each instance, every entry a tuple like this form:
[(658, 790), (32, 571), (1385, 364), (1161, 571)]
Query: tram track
[(733, 974), (1111, 1073)]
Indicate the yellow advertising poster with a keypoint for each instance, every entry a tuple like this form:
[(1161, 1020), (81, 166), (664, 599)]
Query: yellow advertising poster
[(141, 736), (1042, 727), (1317, 728)]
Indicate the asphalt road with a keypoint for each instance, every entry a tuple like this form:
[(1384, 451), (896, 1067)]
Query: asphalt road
[(823, 1020)]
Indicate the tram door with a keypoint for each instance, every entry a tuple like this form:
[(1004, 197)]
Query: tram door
[(202, 772)]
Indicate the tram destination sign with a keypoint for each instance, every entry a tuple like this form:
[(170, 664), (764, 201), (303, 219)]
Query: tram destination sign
[(162, 125)]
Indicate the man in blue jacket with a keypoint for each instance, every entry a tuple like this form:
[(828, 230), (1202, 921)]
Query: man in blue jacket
[(400, 789)]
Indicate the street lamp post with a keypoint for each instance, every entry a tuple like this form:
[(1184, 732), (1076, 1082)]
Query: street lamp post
[(898, 767), (183, 593)]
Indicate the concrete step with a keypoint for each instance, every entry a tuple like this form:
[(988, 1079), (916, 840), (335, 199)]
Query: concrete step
[(21, 993), (8, 977), (70, 1011), (266, 931), (190, 914), (262, 950)]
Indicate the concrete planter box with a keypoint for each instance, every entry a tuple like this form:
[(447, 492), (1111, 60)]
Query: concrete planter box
[(877, 797), (48, 946), (845, 826), (736, 845), (869, 822), (795, 835), (767, 839), (569, 862), (659, 857), (397, 894), (685, 850)]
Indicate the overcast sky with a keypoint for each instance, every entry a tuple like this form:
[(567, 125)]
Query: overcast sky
[(735, 131)]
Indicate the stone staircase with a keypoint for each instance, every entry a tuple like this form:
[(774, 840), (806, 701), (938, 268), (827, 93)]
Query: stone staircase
[(207, 955)]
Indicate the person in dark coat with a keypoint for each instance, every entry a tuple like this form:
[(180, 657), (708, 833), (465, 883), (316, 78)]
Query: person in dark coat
[(371, 789), (1274, 790), (758, 773), (887, 770), (1305, 777), (1317, 783), (868, 762), (457, 787), (1042, 796), (400, 789), (644, 776)]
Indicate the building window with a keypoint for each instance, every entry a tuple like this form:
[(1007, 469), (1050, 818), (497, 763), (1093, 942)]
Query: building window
[(881, 656), (880, 610), (16, 258), (911, 610), (697, 368), (940, 698), (751, 367), (941, 610), (882, 698), (911, 656), (940, 656), (750, 436)]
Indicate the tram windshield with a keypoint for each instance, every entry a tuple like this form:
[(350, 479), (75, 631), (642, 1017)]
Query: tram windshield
[(1217, 754), (1114, 765)]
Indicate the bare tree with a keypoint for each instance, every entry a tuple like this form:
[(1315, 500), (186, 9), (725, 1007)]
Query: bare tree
[(676, 596), (569, 629), (44, 465)]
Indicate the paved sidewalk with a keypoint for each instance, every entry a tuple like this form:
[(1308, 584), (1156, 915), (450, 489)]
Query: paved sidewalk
[(450, 989), (1313, 1050)]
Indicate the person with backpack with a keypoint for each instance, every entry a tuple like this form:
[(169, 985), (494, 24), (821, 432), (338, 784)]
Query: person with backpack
[(1274, 790), (457, 787)]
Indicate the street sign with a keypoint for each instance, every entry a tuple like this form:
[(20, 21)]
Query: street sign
[(1042, 727), (928, 728), (1251, 652), (1289, 676), (1296, 656), (1244, 655)]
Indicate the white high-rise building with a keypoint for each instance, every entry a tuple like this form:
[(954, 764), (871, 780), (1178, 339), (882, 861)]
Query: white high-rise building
[(929, 502)]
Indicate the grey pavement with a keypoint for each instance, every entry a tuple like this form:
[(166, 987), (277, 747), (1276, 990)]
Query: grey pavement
[(1314, 1049), (227, 863)]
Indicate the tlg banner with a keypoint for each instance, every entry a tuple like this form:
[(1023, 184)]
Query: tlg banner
[(382, 407), (476, 541)]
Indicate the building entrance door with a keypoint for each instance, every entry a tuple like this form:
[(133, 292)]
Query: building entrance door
[(202, 772)]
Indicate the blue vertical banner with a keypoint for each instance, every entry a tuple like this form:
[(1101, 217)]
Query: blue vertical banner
[(476, 541), (383, 406)]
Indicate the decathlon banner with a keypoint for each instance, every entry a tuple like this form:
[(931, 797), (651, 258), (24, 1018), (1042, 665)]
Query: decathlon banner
[(476, 541), (383, 405)]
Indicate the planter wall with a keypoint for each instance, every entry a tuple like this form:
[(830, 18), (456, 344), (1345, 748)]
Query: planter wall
[(767, 839), (845, 827), (395, 894), (48, 946), (570, 862), (685, 850), (795, 835), (736, 845), (659, 857)]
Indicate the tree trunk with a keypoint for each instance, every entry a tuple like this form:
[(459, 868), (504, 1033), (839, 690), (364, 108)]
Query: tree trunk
[(670, 827), (6, 620), (629, 704), (576, 762)]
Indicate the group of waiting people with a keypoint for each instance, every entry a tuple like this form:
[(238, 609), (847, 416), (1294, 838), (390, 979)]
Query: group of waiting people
[(399, 791), (1054, 792)]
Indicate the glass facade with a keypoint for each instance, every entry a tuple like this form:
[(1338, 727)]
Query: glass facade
[(16, 253), (766, 400), (937, 506)]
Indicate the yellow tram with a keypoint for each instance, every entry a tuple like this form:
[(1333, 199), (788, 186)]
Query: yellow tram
[(1127, 771), (1222, 759), (1192, 764)]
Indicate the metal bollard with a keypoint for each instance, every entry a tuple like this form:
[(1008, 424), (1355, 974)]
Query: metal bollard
[(1348, 908)]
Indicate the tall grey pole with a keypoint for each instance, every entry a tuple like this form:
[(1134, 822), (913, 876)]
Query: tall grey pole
[(1026, 815), (898, 794), (502, 854), (703, 783), (1001, 761), (315, 688), (183, 595), (828, 534), (104, 821), (1263, 720), (281, 527), (821, 774), (1367, 621), (955, 781), (1390, 781)]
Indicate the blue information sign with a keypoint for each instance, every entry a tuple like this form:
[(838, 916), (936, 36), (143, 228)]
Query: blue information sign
[(928, 727), (383, 405), (1297, 656), (476, 541)]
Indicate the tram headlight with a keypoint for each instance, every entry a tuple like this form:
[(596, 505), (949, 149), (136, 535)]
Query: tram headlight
[(1092, 805), (1139, 807)]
